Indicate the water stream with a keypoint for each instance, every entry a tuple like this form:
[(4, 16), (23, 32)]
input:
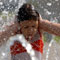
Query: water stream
[(6, 19)]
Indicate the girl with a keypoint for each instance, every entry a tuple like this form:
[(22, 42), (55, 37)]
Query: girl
[(30, 24), (28, 20)]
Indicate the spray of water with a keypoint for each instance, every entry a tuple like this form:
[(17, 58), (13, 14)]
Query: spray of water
[(24, 43), (52, 43), (55, 50), (48, 51)]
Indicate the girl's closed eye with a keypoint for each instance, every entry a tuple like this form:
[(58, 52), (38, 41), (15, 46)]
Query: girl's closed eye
[(33, 26)]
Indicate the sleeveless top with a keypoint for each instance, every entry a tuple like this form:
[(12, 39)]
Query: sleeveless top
[(17, 49)]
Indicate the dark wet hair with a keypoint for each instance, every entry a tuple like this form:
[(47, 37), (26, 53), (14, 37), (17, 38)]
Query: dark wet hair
[(27, 12)]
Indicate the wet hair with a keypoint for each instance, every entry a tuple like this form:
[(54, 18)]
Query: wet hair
[(27, 12)]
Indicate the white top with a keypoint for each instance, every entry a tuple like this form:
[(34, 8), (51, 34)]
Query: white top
[(25, 55)]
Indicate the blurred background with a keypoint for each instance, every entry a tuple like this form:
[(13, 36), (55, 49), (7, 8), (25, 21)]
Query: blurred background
[(49, 9)]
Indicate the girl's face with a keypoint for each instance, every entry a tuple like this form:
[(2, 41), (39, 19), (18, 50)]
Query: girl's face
[(29, 28)]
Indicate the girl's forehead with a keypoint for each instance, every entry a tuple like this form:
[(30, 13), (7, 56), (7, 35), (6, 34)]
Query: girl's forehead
[(28, 22)]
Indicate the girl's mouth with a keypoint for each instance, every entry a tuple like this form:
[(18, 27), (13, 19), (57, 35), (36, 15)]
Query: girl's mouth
[(29, 37)]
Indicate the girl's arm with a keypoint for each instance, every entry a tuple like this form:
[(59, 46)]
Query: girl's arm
[(53, 28), (10, 31)]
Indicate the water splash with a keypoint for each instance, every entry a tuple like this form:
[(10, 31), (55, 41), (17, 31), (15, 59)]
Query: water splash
[(8, 19), (55, 51), (1, 3), (49, 4), (24, 43), (48, 51)]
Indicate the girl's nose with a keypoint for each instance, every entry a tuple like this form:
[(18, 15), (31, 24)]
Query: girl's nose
[(30, 30)]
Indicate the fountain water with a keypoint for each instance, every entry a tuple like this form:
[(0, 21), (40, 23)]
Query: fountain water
[(52, 52), (25, 44), (6, 52), (6, 18)]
